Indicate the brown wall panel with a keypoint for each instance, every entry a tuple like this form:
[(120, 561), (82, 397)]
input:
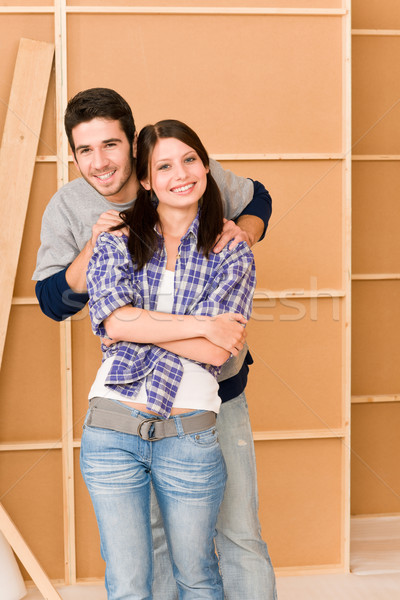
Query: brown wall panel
[(376, 217), (88, 557), (31, 492), (300, 491), (303, 245), (264, 120), (375, 465), (36, 27), (376, 92), (295, 382), (375, 14), (30, 378), (44, 185), (375, 347), (86, 360)]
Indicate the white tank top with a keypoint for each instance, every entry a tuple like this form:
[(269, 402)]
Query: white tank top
[(198, 389)]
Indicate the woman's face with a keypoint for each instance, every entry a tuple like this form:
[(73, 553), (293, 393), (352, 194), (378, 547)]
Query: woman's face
[(178, 176)]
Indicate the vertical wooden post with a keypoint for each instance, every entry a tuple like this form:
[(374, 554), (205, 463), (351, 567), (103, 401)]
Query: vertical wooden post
[(60, 28)]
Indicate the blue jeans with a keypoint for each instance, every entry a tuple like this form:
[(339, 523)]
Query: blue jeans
[(245, 564), (188, 475)]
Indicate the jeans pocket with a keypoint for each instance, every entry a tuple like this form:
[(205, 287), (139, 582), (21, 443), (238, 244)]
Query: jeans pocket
[(206, 439)]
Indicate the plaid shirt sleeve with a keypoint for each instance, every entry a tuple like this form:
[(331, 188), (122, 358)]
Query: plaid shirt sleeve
[(233, 284), (109, 280)]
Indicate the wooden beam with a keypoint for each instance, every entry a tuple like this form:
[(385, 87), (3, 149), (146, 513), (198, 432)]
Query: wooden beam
[(24, 553), (17, 159), (374, 399)]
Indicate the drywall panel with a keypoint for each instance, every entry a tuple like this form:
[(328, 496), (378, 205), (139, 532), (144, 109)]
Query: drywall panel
[(44, 185), (86, 359), (295, 382), (285, 94), (375, 346), (376, 95), (88, 558), (35, 27), (31, 492), (376, 217), (375, 14), (374, 459), (30, 378), (300, 487), (303, 245)]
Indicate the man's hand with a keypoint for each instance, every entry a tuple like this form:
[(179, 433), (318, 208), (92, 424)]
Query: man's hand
[(105, 221), (76, 273), (231, 233)]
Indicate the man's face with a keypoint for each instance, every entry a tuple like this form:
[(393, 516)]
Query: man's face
[(104, 158)]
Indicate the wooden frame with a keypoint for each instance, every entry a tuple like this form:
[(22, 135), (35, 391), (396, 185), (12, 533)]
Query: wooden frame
[(67, 443)]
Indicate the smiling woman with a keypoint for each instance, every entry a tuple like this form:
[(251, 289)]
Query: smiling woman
[(175, 312)]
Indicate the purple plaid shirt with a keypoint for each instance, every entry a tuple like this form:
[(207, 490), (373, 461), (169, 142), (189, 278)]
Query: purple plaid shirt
[(223, 283)]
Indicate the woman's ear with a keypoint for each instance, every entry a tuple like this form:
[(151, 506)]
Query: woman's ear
[(146, 184)]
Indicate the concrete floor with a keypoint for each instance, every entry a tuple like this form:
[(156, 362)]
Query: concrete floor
[(375, 564)]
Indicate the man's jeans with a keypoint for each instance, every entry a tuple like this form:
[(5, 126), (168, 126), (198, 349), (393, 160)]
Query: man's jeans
[(188, 475), (244, 560)]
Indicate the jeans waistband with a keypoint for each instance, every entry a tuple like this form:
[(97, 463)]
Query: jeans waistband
[(107, 414)]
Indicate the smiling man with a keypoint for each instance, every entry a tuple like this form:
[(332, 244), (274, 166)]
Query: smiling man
[(101, 132)]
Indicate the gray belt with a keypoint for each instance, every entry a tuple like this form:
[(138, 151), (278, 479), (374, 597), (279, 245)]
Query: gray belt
[(107, 414)]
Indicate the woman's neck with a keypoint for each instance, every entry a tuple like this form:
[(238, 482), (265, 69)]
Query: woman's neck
[(175, 222)]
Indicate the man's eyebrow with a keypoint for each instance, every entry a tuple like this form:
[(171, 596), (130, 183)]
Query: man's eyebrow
[(83, 146)]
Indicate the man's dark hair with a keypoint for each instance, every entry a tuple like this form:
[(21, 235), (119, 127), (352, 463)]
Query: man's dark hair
[(98, 103)]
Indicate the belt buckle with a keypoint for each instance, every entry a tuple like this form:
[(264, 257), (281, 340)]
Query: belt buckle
[(139, 430)]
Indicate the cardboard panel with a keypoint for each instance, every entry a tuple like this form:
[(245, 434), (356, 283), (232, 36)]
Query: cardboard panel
[(88, 558), (376, 105), (375, 466), (86, 359), (295, 382), (300, 487), (376, 214), (31, 492), (374, 14), (30, 378), (35, 27), (284, 93), (303, 245), (375, 346), (44, 185)]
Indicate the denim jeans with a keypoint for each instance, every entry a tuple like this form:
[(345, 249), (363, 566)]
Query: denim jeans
[(245, 564), (188, 475)]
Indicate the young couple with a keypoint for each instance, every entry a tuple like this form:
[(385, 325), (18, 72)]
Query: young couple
[(171, 309)]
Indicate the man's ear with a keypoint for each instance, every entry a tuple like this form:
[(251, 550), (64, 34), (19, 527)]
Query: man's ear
[(75, 161), (134, 145)]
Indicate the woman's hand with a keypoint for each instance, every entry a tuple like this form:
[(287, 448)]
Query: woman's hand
[(227, 331)]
